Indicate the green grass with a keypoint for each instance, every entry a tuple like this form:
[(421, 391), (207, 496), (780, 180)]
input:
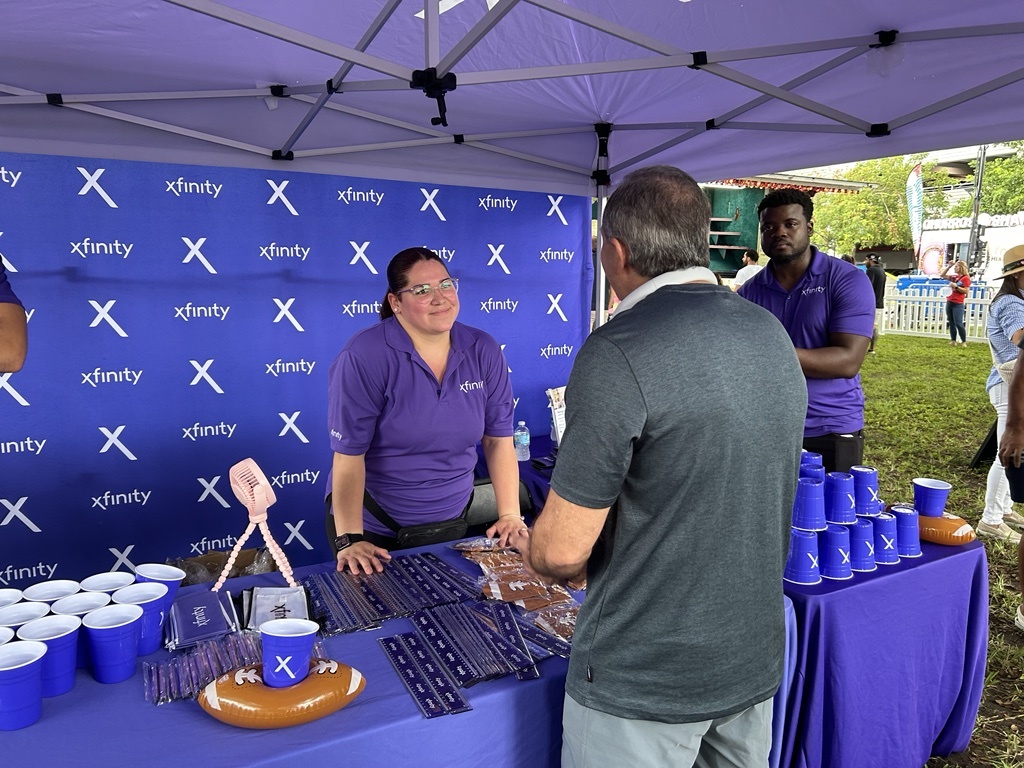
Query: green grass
[(926, 415)]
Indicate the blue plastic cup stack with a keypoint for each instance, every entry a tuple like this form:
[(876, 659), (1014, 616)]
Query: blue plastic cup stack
[(862, 546), (812, 471), (865, 490), (908, 534), (930, 496), (802, 562), (810, 457), (834, 549), (809, 505), (886, 548), (840, 502)]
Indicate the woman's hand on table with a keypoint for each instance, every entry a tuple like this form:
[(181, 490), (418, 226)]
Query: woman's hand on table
[(505, 529), (363, 557)]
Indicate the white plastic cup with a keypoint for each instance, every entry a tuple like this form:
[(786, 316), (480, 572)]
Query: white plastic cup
[(51, 591), (170, 575), (14, 616), (80, 604), (9, 596), (108, 582)]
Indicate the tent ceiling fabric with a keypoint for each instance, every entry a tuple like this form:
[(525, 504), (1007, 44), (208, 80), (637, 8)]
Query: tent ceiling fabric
[(720, 88)]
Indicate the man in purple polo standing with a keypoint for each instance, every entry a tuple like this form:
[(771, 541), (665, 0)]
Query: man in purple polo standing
[(13, 334), (828, 308)]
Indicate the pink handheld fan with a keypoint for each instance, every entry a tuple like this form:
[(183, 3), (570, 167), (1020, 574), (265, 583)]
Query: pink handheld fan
[(253, 489)]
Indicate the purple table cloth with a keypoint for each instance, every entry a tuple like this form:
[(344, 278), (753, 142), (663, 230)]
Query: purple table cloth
[(890, 665)]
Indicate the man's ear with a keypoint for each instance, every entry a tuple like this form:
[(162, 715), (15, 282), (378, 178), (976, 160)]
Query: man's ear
[(619, 253), (810, 227)]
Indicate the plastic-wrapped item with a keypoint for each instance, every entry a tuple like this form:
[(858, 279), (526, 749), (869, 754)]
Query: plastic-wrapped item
[(558, 620), (480, 544)]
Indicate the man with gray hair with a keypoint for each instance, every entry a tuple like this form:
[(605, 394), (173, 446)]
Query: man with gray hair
[(676, 502)]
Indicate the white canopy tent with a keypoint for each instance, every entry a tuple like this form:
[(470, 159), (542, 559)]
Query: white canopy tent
[(720, 88)]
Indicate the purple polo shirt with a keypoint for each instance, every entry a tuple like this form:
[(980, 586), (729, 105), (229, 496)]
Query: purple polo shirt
[(7, 295), (418, 438), (833, 296)]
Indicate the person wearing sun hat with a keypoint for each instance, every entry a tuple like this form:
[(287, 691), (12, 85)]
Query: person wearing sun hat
[(1005, 333)]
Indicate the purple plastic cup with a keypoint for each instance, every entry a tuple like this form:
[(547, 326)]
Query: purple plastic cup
[(886, 548), (834, 551), (151, 596), (865, 489), (840, 502), (809, 505), (862, 546), (287, 648), (78, 605), (802, 562), (113, 632), (930, 496), (21, 683), (908, 532), (60, 634)]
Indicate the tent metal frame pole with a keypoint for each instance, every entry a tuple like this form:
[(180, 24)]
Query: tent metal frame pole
[(963, 96), (372, 31), (431, 33), (295, 37)]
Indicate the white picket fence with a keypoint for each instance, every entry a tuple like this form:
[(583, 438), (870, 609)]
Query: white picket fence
[(923, 315)]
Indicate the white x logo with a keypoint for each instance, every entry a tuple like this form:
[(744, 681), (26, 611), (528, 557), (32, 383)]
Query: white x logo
[(556, 210), (889, 543), (103, 313), (122, 558), (202, 374), (5, 384), (282, 663), (294, 534), (209, 490), (92, 183), (289, 426), (193, 251), (496, 257), (431, 204), (284, 307), (555, 308), (279, 195), (15, 512), (112, 440), (814, 559), (853, 500), (506, 359), (845, 555), (361, 255), (871, 547)]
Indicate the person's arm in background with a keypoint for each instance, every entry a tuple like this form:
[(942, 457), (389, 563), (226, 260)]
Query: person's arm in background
[(958, 285), (1012, 443), (13, 337), (347, 486), (503, 469)]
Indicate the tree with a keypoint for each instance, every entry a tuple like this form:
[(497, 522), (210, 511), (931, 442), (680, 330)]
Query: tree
[(1002, 186), (878, 215)]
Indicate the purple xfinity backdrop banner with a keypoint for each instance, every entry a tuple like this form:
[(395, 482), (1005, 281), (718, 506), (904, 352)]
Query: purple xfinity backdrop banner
[(183, 318)]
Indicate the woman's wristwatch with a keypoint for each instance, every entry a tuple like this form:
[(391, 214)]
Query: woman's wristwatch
[(346, 540)]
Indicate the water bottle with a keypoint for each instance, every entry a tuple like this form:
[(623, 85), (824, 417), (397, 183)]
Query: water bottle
[(521, 440)]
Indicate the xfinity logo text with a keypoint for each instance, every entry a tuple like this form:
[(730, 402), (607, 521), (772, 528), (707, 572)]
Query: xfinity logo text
[(806, 291), (468, 386), (551, 351), (98, 376), (28, 445), (181, 187), (350, 195), (40, 572), (550, 254), (504, 203), (275, 251), (208, 545), (109, 499), (355, 307), (445, 253), (9, 177), (278, 367), (498, 305), (191, 311), (88, 247), (287, 478), (198, 430)]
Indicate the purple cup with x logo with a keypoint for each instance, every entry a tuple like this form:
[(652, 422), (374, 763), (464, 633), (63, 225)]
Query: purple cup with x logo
[(287, 648), (886, 547), (802, 562)]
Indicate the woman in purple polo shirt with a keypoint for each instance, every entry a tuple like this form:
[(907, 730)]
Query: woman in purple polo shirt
[(408, 400)]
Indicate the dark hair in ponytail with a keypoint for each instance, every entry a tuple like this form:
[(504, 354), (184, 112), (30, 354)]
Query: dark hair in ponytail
[(398, 273)]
